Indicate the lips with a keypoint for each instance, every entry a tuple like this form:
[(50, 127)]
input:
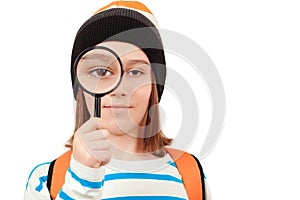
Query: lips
[(117, 106)]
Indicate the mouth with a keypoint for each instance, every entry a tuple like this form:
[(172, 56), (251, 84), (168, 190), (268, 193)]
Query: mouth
[(117, 108)]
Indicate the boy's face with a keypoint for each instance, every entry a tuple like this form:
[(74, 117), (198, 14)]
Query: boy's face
[(124, 110)]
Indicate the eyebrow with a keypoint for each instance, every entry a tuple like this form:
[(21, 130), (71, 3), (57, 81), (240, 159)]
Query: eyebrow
[(93, 56), (131, 62)]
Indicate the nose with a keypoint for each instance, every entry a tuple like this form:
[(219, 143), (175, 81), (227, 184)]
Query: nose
[(121, 90)]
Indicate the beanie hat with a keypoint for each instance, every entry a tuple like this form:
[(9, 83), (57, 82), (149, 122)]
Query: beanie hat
[(125, 21)]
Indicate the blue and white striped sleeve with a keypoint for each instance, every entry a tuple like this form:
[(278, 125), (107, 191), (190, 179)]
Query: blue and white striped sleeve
[(36, 187), (81, 182)]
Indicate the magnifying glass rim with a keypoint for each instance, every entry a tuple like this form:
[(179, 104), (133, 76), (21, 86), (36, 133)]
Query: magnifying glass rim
[(76, 64)]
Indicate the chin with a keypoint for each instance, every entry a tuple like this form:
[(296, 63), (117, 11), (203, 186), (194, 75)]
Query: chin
[(122, 127)]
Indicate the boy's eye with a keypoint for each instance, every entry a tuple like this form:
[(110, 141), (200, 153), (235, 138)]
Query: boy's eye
[(135, 72)]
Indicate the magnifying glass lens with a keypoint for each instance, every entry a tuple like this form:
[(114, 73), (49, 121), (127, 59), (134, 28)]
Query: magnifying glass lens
[(98, 71)]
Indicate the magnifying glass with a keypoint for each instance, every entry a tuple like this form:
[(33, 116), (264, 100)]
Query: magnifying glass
[(98, 71)]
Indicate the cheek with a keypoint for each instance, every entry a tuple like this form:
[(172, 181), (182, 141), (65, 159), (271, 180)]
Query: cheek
[(140, 99), (141, 94)]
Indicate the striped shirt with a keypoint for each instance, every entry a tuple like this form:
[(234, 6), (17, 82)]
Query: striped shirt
[(118, 180)]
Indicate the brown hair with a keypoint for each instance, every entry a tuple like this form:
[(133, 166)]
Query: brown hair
[(154, 139)]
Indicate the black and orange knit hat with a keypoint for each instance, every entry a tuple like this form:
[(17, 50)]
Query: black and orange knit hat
[(125, 21)]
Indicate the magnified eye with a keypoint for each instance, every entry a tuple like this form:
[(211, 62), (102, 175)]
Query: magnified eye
[(100, 72)]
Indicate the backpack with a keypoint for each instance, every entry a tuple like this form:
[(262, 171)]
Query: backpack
[(187, 164)]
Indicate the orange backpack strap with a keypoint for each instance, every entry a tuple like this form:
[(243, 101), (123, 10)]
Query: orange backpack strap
[(191, 172), (57, 172)]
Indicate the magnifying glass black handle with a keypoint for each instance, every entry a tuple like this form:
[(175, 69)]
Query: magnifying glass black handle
[(97, 110)]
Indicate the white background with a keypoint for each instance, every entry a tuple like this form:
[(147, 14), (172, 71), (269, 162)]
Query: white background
[(255, 46)]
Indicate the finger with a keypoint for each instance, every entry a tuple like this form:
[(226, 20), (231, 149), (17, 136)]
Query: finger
[(92, 124), (102, 156), (99, 145), (93, 135)]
